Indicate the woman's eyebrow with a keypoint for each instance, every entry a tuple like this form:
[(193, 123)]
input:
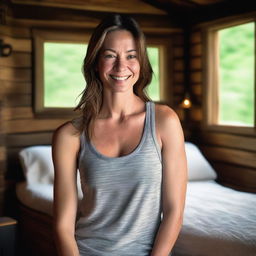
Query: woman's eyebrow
[(111, 50)]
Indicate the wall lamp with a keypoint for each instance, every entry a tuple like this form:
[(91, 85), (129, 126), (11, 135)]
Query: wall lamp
[(186, 102), (5, 49)]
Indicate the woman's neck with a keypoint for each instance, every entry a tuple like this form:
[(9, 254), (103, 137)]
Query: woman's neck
[(120, 105)]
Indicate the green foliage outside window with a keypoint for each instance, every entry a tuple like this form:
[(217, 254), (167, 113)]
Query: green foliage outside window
[(237, 66)]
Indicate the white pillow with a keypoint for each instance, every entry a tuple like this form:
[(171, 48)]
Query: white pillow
[(198, 167), (38, 167), (37, 164)]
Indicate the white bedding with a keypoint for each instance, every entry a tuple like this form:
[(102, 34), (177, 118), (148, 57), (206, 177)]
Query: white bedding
[(217, 221)]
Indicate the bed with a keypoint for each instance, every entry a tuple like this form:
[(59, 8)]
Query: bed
[(217, 220)]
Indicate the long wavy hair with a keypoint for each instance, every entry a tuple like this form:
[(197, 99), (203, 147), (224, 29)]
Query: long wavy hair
[(91, 99)]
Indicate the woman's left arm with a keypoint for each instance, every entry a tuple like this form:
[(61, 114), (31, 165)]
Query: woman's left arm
[(174, 181)]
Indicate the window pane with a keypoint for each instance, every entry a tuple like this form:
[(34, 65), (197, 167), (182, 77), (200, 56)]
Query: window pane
[(153, 89), (237, 75), (63, 78)]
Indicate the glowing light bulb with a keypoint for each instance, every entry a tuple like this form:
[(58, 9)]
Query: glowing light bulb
[(186, 103)]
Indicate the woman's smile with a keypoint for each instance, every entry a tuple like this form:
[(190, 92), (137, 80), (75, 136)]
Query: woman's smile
[(119, 78)]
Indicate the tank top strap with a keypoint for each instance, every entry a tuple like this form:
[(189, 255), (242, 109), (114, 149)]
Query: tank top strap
[(152, 125)]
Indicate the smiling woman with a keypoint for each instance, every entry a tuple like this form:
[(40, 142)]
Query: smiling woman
[(129, 152)]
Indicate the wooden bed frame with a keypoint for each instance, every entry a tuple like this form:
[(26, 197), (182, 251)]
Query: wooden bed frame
[(35, 233)]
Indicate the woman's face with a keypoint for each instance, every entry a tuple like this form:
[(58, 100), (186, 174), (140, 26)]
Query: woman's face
[(118, 64)]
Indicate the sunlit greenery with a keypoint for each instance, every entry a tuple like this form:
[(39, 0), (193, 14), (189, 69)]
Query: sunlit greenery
[(63, 79), (153, 89), (237, 60)]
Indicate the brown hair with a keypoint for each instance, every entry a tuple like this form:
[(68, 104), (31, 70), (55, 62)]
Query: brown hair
[(91, 100)]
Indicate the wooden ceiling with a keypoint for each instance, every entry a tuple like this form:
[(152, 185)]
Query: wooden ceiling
[(193, 11), (190, 2), (180, 12)]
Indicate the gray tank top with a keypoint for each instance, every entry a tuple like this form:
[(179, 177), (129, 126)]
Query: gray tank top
[(120, 211)]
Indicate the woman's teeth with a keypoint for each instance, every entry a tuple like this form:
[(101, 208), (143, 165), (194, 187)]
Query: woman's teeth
[(120, 78)]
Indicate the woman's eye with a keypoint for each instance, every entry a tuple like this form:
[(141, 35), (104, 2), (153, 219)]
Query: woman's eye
[(131, 56), (109, 56)]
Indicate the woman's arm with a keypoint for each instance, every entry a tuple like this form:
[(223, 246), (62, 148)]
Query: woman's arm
[(170, 133), (65, 147)]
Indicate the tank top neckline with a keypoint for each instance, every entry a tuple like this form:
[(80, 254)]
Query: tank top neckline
[(93, 149)]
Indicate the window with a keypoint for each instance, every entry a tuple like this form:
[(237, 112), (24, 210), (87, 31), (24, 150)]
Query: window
[(230, 76), (57, 82), (58, 71)]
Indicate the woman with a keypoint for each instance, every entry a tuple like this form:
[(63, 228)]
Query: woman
[(130, 155)]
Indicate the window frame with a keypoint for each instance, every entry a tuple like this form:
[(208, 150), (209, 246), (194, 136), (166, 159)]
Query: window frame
[(40, 36), (165, 46), (210, 74)]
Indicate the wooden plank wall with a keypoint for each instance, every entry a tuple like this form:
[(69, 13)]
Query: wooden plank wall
[(20, 127), (232, 155)]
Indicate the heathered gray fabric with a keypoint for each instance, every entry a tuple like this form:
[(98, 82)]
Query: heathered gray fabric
[(120, 212)]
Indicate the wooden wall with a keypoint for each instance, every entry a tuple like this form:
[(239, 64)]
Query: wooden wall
[(20, 127), (232, 154)]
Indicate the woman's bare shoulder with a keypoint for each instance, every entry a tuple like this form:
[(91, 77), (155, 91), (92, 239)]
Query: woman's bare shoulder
[(66, 133), (168, 124), (165, 115)]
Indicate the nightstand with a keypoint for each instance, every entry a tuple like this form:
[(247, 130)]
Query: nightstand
[(7, 236)]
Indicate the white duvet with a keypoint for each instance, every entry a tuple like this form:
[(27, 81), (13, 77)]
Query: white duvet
[(217, 221)]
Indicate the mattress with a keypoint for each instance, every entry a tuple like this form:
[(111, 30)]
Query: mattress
[(36, 196), (217, 221)]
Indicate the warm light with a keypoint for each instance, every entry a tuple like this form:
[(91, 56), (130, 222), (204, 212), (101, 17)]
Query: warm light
[(186, 103)]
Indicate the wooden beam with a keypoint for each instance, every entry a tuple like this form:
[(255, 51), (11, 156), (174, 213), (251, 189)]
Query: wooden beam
[(18, 44), (240, 177), (18, 100), (113, 6), (11, 113), (13, 87), (32, 125), (228, 140), (17, 60), (233, 156), (28, 139), (196, 77), (16, 74), (17, 32)]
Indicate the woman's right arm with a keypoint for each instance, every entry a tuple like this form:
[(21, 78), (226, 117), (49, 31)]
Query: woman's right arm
[(65, 148)]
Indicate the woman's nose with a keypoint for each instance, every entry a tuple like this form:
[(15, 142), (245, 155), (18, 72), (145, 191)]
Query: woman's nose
[(120, 64)]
